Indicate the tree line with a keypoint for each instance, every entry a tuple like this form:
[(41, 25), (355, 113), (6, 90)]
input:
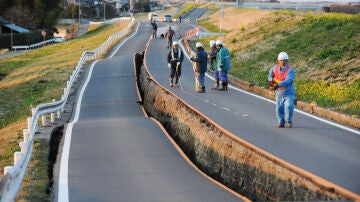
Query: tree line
[(32, 14)]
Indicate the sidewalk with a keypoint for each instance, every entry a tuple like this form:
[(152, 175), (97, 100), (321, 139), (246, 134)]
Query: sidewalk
[(12, 53)]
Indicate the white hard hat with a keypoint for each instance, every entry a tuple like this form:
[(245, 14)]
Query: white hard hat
[(283, 56), (175, 43), (212, 43), (218, 42), (198, 44)]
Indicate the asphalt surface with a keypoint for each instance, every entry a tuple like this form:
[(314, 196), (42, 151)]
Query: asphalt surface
[(116, 153), (312, 144)]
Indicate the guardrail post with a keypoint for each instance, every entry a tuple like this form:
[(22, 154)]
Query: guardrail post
[(26, 134), (22, 146), (17, 156), (7, 169), (29, 125), (52, 115), (43, 120), (33, 115), (59, 114)]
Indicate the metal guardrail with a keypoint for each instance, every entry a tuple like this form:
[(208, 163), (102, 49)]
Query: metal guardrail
[(33, 46), (124, 19), (13, 175)]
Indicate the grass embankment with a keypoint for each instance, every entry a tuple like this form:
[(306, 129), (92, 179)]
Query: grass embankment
[(323, 48), (34, 185), (38, 77), (184, 9)]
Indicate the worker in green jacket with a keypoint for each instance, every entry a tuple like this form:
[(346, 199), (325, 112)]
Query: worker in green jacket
[(223, 64)]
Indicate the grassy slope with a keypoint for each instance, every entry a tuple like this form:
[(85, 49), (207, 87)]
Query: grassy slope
[(38, 77), (324, 48)]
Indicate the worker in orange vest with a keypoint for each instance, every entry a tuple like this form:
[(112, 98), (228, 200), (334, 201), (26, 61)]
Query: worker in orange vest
[(281, 80)]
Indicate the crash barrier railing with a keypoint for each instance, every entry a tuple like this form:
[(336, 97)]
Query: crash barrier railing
[(13, 175), (184, 20), (192, 32), (33, 46), (111, 21)]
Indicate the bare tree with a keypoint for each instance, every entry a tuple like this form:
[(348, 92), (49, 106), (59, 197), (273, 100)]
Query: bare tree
[(21, 16)]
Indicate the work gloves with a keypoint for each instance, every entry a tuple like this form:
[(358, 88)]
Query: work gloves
[(174, 62), (274, 85), (271, 83)]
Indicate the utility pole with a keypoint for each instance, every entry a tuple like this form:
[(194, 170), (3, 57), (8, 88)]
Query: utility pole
[(221, 13), (79, 12), (104, 10), (11, 36), (131, 9)]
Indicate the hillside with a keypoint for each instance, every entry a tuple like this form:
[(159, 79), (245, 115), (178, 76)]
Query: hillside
[(323, 47)]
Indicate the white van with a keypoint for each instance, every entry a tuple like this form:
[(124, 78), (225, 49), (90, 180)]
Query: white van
[(153, 16)]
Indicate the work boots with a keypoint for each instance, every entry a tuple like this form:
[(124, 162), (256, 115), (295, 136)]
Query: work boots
[(201, 89), (224, 86), (216, 86), (171, 83)]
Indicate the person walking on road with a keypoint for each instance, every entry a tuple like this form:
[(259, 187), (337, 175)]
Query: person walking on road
[(169, 35), (200, 60), (212, 57), (174, 59), (281, 79), (222, 64), (154, 29)]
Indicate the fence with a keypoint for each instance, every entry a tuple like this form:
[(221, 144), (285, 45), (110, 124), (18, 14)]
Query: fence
[(192, 32), (13, 175), (123, 19), (33, 46)]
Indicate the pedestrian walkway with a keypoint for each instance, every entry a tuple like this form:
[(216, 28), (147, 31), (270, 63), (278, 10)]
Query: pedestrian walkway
[(12, 54)]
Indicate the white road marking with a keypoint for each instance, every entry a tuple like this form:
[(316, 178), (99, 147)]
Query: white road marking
[(63, 192)]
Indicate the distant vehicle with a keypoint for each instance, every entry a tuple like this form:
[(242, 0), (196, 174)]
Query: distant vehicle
[(153, 16), (59, 39), (167, 18)]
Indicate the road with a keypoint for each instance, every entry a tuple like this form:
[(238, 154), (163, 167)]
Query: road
[(313, 144), (112, 152)]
